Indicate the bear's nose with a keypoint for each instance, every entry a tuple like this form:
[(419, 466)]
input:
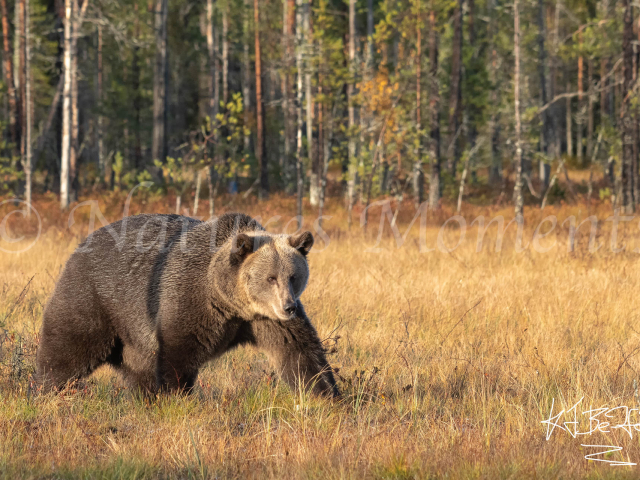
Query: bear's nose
[(290, 308)]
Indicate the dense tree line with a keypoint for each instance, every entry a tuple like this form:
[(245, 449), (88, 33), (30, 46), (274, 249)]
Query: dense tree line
[(394, 97)]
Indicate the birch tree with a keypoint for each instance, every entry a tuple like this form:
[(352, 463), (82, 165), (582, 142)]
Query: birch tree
[(78, 17), (66, 106), (28, 121), (314, 177), (214, 96), (351, 98), (299, 110), (628, 202), (288, 101), (517, 190), (547, 128)]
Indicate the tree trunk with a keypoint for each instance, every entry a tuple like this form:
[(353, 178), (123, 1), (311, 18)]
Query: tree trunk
[(53, 110), (351, 93), (220, 160), (619, 96), (636, 116), (212, 196), (214, 93), (196, 200), (288, 102), (284, 79), (261, 156), (21, 61), (472, 111), (159, 143), (590, 103), (299, 100), (517, 191), (314, 161), (434, 113), (604, 91), (246, 74), (137, 97), (495, 172), (418, 175), (455, 100), (548, 129), (225, 54), (320, 141), (73, 153), (27, 163), (370, 45), (569, 122), (326, 156), (77, 20), (580, 115), (14, 114), (66, 106), (212, 60), (628, 127), (555, 109), (100, 121)]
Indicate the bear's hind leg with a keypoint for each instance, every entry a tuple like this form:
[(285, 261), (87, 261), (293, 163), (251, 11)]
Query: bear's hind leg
[(63, 359), (73, 343)]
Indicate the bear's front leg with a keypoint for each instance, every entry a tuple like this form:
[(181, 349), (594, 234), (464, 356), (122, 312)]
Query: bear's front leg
[(295, 348), (175, 369)]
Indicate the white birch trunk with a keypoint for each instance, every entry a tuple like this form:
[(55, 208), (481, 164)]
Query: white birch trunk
[(28, 119), (517, 190), (66, 108)]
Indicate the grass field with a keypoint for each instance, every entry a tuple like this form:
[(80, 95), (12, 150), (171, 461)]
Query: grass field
[(448, 361)]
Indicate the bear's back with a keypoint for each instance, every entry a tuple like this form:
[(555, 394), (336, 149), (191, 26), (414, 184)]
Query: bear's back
[(122, 263), (125, 262)]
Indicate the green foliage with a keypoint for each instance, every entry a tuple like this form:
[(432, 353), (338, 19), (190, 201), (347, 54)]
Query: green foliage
[(10, 174), (118, 167), (604, 193), (174, 171), (218, 143)]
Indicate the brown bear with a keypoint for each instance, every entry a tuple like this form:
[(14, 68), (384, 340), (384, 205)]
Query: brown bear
[(158, 296)]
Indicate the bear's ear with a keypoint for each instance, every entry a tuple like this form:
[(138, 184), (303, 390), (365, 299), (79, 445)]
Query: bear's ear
[(302, 242), (242, 247)]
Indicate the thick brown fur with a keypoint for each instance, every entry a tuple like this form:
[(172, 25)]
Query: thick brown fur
[(158, 296)]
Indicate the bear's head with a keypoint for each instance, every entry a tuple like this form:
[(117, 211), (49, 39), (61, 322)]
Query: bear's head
[(272, 270)]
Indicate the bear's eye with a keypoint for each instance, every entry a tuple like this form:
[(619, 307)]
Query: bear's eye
[(272, 280)]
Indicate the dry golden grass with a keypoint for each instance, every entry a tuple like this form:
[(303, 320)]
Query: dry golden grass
[(448, 363)]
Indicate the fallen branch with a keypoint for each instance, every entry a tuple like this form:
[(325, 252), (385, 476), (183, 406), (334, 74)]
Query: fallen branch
[(472, 152), (551, 184), (569, 183), (593, 159), (530, 185)]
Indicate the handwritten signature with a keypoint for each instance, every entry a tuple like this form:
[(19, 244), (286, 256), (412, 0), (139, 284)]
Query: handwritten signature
[(602, 419)]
